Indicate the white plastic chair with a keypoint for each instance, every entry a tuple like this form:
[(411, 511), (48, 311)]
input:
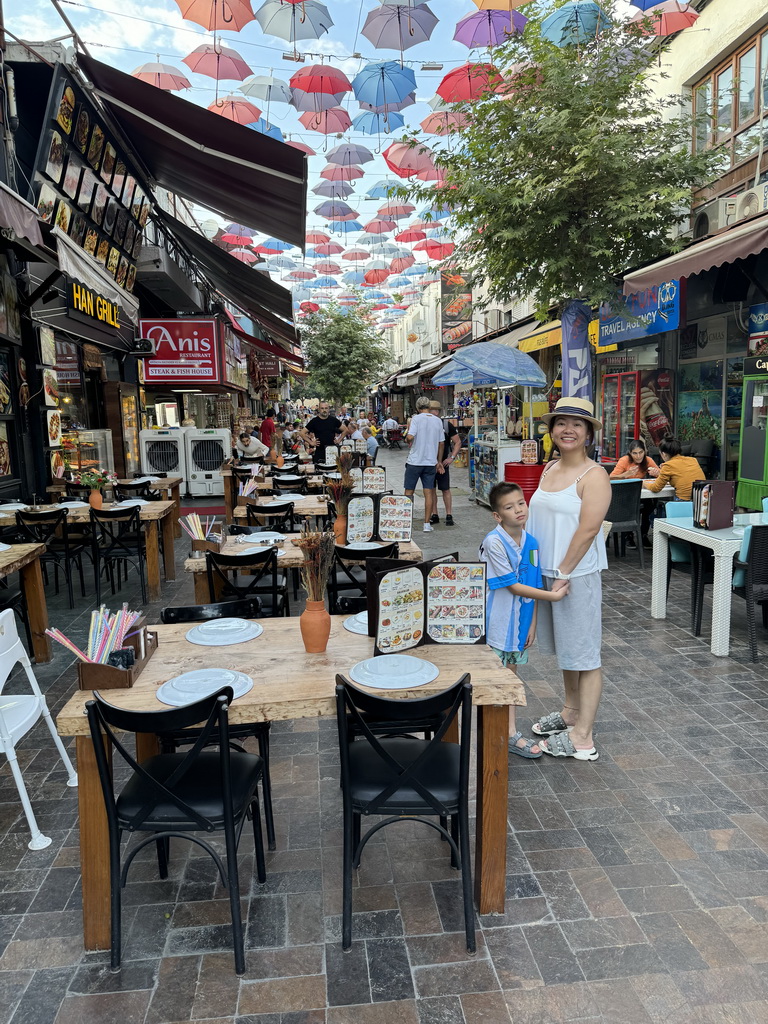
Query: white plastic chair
[(18, 713)]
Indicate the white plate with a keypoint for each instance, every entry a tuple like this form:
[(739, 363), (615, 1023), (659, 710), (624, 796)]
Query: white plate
[(357, 623), (219, 635), (13, 506), (364, 545), (262, 538), (394, 672), (241, 552), (193, 686), (130, 502), (288, 478), (74, 504), (5, 547), (288, 497)]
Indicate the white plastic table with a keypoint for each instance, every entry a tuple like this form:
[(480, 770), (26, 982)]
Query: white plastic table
[(666, 492), (724, 544)]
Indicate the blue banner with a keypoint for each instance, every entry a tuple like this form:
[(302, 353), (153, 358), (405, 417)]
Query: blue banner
[(652, 311), (577, 352), (758, 329)]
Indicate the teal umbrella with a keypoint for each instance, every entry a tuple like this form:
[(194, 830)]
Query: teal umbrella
[(578, 21), (503, 364)]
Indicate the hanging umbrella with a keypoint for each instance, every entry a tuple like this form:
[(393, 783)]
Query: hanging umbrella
[(315, 236), (436, 212), (667, 18), (395, 210), (327, 267), (349, 153), (377, 226), (347, 297), (438, 250), (162, 76), (397, 27), (469, 83), (327, 122), (444, 122), (503, 363), (409, 235), (438, 103), (265, 128), (353, 277), (335, 210), (406, 160), (302, 274), (416, 270), (381, 189), (374, 294), (329, 249), (325, 282), (345, 227), (380, 248), (300, 294), (236, 109), (488, 28), (314, 101), (320, 78), (577, 21), (230, 238), (334, 189), (272, 245), (242, 229), (335, 172), (385, 108), (308, 307), (292, 22), (398, 282), (356, 254), (383, 82), (217, 15), (301, 146), (377, 124), (401, 264), (244, 255), (267, 88), (281, 262), (217, 61), (499, 5)]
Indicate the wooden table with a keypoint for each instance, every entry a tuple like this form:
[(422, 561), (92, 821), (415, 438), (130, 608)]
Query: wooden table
[(25, 560), (292, 684), (156, 515), (292, 557), (311, 505), (170, 487)]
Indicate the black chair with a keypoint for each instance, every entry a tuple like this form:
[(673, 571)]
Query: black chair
[(279, 517), (260, 730), (394, 437), (78, 491), (177, 795), (125, 492), (264, 581), (750, 581), (404, 778), (63, 550), (118, 541), (624, 516), (703, 450), (347, 579)]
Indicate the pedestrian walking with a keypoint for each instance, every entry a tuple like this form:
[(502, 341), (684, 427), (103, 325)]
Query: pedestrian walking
[(425, 459), (451, 446)]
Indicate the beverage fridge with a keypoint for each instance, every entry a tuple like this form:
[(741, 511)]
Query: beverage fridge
[(637, 404), (123, 410), (753, 449)]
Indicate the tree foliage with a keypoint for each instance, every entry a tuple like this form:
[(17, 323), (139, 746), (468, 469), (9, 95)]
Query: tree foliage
[(576, 173), (343, 352)]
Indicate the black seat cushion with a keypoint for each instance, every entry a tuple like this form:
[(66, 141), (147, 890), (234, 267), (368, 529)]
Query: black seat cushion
[(200, 787), (370, 775)]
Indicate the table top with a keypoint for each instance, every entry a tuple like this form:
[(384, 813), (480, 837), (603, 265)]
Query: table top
[(293, 556), (154, 481), (18, 556), (726, 541), (667, 491), (312, 505), (153, 510), (289, 683)]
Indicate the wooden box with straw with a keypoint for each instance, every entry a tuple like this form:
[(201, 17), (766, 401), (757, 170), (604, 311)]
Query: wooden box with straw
[(114, 640), (201, 532)]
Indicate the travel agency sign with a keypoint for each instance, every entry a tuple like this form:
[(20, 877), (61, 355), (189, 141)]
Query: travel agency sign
[(649, 312), (185, 351)]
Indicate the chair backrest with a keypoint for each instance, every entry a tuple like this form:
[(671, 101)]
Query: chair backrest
[(679, 550), (625, 502), (679, 510), (765, 504), (757, 561), (43, 527), (261, 565), (346, 559), (247, 609), (280, 515), (141, 490), (115, 529), (12, 651), (105, 718), (289, 487), (357, 711), (76, 490)]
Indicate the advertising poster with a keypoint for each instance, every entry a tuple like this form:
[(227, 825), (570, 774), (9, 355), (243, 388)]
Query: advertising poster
[(700, 412), (657, 405), (652, 311), (455, 310), (758, 329), (53, 420)]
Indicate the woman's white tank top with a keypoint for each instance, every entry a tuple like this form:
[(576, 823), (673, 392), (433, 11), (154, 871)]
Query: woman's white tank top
[(553, 520)]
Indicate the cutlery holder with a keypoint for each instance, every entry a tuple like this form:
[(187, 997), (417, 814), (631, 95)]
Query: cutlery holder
[(107, 677)]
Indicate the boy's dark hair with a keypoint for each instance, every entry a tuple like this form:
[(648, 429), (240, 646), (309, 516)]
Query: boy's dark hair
[(499, 491), (670, 446)]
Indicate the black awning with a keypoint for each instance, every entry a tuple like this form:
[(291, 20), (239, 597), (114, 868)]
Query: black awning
[(264, 300), (235, 171)]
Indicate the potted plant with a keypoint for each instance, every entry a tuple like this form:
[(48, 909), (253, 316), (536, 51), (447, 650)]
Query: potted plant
[(339, 491), (95, 479), (315, 622)]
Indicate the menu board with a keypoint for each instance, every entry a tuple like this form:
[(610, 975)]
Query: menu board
[(360, 446), (53, 420), (356, 476), (384, 517), (331, 454), (401, 610), (82, 184), (374, 480)]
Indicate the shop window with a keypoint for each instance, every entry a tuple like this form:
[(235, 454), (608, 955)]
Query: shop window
[(7, 403), (74, 415)]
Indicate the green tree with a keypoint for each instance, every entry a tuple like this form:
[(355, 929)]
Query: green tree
[(343, 352), (575, 173)]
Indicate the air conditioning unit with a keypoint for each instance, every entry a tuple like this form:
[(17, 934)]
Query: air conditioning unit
[(163, 451), (713, 216), (752, 202), (206, 450)]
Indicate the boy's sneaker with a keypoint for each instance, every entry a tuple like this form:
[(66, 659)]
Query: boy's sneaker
[(428, 528), (449, 521), (434, 519)]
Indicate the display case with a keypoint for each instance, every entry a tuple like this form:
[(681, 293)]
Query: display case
[(753, 449), (490, 460), (88, 449), (621, 413), (124, 418)]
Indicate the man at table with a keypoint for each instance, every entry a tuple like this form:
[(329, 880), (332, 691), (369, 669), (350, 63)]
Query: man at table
[(681, 471), (321, 431), (371, 445)]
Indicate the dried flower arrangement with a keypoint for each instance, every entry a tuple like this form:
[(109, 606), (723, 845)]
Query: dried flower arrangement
[(318, 549), (339, 491)]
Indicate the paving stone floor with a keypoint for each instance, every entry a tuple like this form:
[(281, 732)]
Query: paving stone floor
[(637, 885)]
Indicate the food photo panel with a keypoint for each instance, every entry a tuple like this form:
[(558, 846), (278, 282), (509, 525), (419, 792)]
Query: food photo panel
[(53, 420)]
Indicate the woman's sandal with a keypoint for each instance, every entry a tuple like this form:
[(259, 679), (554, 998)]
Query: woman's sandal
[(524, 751), (554, 722), (561, 745)]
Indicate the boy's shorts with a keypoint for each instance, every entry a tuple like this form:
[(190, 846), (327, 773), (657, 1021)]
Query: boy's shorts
[(511, 657)]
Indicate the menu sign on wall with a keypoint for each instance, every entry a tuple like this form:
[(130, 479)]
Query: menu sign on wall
[(185, 350), (83, 185)]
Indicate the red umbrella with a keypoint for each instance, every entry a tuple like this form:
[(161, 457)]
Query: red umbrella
[(469, 82), (377, 226), (376, 276), (217, 61), (327, 122), (410, 235), (266, 249), (320, 78), (443, 122), (162, 76), (215, 15), (667, 17), (309, 307), (438, 250), (244, 255), (407, 160), (395, 210), (337, 172), (356, 254), (401, 263), (234, 239), (301, 146), (329, 249), (300, 275), (314, 237), (235, 108), (327, 267)]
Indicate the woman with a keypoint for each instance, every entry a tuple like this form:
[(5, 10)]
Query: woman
[(677, 469), (635, 465), (566, 517), (250, 446)]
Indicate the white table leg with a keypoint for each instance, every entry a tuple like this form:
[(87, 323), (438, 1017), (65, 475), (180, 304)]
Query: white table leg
[(659, 574), (721, 605)]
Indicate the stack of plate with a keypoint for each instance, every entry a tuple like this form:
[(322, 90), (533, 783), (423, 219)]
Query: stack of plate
[(364, 545), (394, 672), (286, 497), (357, 623), (194, 686), (223, 632)]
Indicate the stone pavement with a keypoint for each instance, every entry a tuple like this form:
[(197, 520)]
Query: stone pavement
[(637, 885)]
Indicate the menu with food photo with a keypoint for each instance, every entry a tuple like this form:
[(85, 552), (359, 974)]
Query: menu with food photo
[(66, 109), (47, 346), (385, 517), (6, 405), (51, 388), (374, 480), (5, 451), (54, 429), (361, 520), (54, 165), (400, 624), (360, 447)]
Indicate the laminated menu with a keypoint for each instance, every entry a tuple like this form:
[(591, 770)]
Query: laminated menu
[(331, 454), (360, 446), (384, 517), (441, 603), (356, 476), (371, 480), (713, 503)]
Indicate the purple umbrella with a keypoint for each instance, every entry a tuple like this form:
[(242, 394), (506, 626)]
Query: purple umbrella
[(399, 28), (314, 101), (488, 28), (334, 189), (385, 108)]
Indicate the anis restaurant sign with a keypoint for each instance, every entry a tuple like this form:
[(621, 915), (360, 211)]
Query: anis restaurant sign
[(186, 350)]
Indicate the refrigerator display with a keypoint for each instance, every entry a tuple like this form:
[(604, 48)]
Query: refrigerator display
[(753, 449), (637, 405)]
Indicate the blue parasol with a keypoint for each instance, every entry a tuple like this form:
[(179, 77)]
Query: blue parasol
[(456, 374), (502, 363), (577, 21)]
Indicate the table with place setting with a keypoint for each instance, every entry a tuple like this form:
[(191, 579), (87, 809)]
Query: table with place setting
[(292, 684), (169, 487), (25, 560)]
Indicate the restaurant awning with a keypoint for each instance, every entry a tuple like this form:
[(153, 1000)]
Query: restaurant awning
[(543, 336), (433, 365), (240, 173), (265, 301), (76, 263), (734, 243), (261, 343), (20, 224)]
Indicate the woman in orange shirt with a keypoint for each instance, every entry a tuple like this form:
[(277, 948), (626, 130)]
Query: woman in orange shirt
[(636, 465)]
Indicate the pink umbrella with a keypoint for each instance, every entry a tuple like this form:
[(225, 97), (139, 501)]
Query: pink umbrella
[(300, 275), (320, 78), (329, 248), (377, 226), (314, 101), (469, 82), (162, 76), (356, 254), (327, 122), (217, 15), (301, 146), (315, 237), (395, 210), (443, 122), (668, 17), (338, 172), (327, 267), (244, 255), (401, 263), (217, 61), (409, 235), (235, 108), (233, 239), (407, 160)]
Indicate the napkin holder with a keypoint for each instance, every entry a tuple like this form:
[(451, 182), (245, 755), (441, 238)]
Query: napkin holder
[(212, 543), (106, 677)]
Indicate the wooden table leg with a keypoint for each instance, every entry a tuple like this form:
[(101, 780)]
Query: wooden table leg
[(230, 489), (169, 563), (491, 826), (176, 498), (94, 848), (201, 587), (153, 560), (37, 610)]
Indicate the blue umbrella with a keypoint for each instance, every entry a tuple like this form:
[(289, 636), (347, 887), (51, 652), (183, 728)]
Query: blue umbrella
[(416, 270), (645, 5), (435, 212), (454, 373), (265, 128), (383, 82), (275, 243), (325, 282), (373, 293), (313, 254), (401, 281), (381, 189), (345, 227), (504, 364), (378, 124), (353, 277), (577, 21)]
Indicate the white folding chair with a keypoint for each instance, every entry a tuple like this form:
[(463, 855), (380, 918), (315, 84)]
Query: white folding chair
[(18, 713)]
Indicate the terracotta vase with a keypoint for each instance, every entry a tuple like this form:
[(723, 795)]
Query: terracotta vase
[(95, 498), (340, 529), (279, 461), (315, 625)]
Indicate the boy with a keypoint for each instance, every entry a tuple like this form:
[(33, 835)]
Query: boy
[(514, 584)]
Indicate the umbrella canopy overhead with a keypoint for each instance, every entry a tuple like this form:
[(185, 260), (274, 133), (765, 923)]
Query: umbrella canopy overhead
[(381, 189), (217, 61), (301, 146), (314, 101), (320, 78), (328, 122), (293, 22), (349, 153), (444, 122), (334, 189), (265, 128), (267, 88), (236, 109), (399, 27), (575, 22), (378, 124), (469, 82), (162, 76), (383, 83), (666, 18), (502, 363), (217, 15), (337, 172), (488, 28), (385, 108)]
